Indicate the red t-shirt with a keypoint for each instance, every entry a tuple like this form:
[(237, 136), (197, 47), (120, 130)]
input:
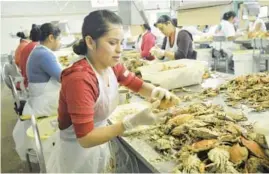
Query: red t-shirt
[(79, 92), (18, 51), (23, 60), (148, 41)]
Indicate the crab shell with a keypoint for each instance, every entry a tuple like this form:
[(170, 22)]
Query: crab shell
[(238, 154), (265, 79), (203, 145), (180, 119), (253, 147)]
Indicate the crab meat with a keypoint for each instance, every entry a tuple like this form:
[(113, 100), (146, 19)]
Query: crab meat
[(253, 147), (203, 145), (220, 158), (180, 119), (203, 133), (238, 154)]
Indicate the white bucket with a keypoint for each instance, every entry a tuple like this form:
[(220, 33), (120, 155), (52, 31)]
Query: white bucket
[(243, 62), (204, 55)]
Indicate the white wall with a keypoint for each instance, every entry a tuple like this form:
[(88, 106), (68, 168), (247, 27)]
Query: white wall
[(18, 15)]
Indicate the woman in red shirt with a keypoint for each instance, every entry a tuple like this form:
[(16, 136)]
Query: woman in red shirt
[(145, 42), (23, 43), (35, 37), (89, 94)]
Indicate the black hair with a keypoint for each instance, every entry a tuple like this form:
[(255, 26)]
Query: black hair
[(21, 35), (163, 19), (95, 24), (147, 27), (35, 33), (48, 29), (228, 15), (267, 26), (174, 20)]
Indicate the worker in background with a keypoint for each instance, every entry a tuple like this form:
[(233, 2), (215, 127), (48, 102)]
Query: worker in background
[(23, 42), (226, 27), (256, 25), (43, 74), (89, 94), (35, 37), (145, 42), (43, 71), (176, 45)]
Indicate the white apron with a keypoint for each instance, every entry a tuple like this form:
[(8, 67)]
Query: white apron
[(69, 157), (174, 48), (42, 101)]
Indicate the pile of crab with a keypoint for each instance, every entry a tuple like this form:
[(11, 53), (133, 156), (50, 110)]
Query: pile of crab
[(132, 60), (203, 138), (252, 90)]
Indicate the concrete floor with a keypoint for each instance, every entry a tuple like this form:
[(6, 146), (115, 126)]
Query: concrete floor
[(10, 161)]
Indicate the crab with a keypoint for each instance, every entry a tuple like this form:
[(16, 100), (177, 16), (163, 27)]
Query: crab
[(203, 133), (203, 145), (220, 158), (185, 127), (190, 163), (180, 119), (259, 138), (238, 154), (253, 147)]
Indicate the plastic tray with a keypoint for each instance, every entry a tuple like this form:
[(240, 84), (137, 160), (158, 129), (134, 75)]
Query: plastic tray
[(47, 127)]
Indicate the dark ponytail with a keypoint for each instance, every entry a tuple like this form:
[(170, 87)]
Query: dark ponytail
[(21, 35), (80, 48), (228, 15), (35, 33), (48, 29), (95, 25), (147, 27)]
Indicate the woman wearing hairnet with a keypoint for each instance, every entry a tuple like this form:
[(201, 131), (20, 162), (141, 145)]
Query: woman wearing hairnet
[(89, 94), (177, 44)]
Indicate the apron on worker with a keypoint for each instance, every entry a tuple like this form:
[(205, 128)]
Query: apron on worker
[(42, 101), (68, 155), (174, 48)]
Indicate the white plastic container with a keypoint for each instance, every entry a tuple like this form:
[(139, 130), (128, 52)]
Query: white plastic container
[(190, 74), (243, 62), (204, 55)]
